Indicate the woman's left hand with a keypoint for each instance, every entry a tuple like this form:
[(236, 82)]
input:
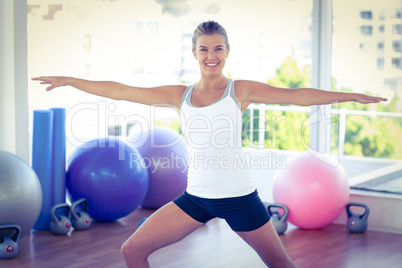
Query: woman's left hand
[(364, 99)]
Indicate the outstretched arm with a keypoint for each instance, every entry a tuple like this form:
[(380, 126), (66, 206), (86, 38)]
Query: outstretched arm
[(251, 92), (157, 96)]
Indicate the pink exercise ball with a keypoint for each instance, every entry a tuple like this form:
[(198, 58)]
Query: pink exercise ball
[(314, 188)]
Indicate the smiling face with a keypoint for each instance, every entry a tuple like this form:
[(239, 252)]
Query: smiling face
[(211, 53)]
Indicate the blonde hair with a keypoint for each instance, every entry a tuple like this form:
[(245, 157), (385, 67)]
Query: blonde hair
[(209, 28)]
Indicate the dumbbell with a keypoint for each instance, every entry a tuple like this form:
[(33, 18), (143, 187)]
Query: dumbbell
[(9, 243), (280, 221), (79, 214), (357, 223), (60, 215)]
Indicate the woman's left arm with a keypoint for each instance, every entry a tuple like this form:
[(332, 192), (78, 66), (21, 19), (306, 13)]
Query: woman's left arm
[(256, 92)]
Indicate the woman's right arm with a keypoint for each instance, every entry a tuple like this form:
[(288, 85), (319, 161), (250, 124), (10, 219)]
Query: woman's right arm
[(156, 96)]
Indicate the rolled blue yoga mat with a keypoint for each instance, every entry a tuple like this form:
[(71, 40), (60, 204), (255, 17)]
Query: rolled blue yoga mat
[(42, 162), (59, 156)]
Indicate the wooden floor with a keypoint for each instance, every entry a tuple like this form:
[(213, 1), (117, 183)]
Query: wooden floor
[(213, 245)]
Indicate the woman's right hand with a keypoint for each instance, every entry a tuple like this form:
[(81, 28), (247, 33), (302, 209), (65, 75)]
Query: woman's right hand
[(53, 81)]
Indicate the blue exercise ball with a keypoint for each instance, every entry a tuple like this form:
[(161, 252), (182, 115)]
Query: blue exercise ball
[(164, 153), (101, 171), (20, 192)]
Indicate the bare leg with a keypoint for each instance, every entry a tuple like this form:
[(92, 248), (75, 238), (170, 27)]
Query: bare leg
[(166, 226), (265, 241)]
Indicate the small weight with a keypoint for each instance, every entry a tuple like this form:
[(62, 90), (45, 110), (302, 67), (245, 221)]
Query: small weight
[(357, 223), (9, 243), (279, 221), (60, 215), (79, 214)]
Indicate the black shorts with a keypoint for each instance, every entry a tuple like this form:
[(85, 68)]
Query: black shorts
[(243, 213)]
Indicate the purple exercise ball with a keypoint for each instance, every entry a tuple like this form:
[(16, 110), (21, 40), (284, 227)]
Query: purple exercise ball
[(101, 172), (164, 153)]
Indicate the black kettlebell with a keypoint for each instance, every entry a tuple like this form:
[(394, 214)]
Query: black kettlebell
[(357, 223), (280, 221), (79, 214), (9, 243), (60, 223)]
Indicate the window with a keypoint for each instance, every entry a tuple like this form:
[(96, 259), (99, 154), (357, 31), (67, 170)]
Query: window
[(367, 15), (149, 44), (397, 45), (380, 63), (397, 29), (397, 63), (87, 42), (374, 70), (366, 30)]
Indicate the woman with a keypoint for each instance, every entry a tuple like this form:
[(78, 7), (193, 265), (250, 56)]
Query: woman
[(210, 113)]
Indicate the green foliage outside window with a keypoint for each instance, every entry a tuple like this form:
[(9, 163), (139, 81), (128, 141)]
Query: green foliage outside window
[(364, 136)]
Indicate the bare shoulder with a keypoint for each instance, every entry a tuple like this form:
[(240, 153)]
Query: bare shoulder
[(247, 85), (241, 87), (257, 92), (177, 93), (176, 89), (179, 90), (244, 87)]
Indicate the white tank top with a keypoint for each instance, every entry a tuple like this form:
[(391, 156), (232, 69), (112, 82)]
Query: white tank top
[(217, 166)]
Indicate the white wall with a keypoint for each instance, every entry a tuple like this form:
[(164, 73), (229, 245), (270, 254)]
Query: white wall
[(14, 116)]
